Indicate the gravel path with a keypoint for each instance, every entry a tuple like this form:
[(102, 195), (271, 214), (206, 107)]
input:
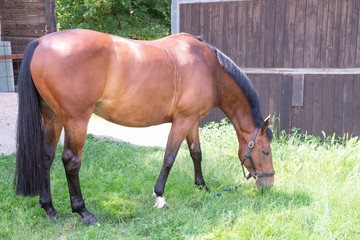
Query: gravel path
[(150, 136)]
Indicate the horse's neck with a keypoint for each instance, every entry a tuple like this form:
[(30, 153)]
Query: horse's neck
[(236, 106)]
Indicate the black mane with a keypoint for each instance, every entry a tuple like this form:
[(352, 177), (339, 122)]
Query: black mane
[(244, 83)]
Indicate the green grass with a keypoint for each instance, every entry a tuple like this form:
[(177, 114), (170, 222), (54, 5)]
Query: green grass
[(316, 193)]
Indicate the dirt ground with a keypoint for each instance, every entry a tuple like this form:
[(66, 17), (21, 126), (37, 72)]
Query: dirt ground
[(150, 136)]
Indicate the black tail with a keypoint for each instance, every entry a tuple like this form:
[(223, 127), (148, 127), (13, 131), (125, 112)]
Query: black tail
[(29, 131)]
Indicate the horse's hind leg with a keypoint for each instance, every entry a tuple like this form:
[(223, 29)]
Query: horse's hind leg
[(195, 152), (75, 136), (52, 131)]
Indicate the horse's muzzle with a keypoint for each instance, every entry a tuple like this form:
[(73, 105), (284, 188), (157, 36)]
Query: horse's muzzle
[(266, 182)]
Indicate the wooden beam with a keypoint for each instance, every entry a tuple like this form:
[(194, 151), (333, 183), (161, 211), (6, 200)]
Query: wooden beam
[(11, 57)]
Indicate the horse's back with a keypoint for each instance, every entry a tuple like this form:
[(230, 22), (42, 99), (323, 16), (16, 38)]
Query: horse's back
[(129, 82)]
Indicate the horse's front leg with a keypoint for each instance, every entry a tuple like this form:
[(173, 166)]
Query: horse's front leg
[(179, 129), (74, 142)]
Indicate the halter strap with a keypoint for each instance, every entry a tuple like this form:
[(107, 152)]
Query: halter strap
[(255, 173)]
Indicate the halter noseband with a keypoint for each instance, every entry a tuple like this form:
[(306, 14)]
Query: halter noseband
[(255, 172)]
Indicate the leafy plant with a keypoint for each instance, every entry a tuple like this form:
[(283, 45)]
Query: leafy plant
[(143, 19)]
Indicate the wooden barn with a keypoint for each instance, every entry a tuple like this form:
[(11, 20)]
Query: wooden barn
[(21, 21), (303, 56)]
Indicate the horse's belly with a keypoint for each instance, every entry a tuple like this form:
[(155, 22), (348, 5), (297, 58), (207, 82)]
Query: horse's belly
[(134, 112)]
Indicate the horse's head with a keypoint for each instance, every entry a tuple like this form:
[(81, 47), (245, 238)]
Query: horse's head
[(256, 156)]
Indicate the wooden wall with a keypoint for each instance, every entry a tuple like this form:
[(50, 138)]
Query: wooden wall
[(330, 102), (315, 41), (23, 21), (279, 33)]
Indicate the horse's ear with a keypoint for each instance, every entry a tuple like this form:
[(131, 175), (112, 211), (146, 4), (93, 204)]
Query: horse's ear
[(265, 124)]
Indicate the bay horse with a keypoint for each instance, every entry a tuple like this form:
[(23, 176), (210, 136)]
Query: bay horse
[(67, 76)]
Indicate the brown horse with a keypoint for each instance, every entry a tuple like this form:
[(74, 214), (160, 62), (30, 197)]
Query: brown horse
[(67, 76)]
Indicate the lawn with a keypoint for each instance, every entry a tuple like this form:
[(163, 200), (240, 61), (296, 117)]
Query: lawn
[(316, 193)]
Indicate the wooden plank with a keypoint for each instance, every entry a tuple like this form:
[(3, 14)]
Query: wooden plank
[(279, 34), (201, 20), (285, 107), (330, 34), (327, 109), (225, 40), (317, 105), (269, 33), (206, 23), (338, 105), (50, 13), (316, 48), (217, 12), (18, 40), (28, 33), (13, 12), (241, 44), (22, 5), (297, 117), (256, 29), (11, 57), (195, 19), (357, 56), (274, 94), (289, 34), (337, 71), (262, 34), (256, 81), (231, 33), (264, 94), (249, 37), (336, 35), (299, 33), (351, 34), (342, 37), (210, 22), (308, 103), (310, 33), (356, 107), (185, 16), (14, 26), (297, 90), (32, 19), (274, 100), (347, 104), (324, 31)]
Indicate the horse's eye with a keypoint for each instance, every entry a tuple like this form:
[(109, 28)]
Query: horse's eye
[(266, 153)]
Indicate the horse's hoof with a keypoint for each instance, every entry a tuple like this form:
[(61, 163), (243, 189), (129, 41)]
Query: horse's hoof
[(161, 207), (89, 220), (53, 216), (203, 187), (160, 203)]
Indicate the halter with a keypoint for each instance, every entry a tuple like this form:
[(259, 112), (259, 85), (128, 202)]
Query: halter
[(255, 172)]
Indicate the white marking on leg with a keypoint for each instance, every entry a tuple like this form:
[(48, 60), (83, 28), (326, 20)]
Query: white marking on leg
[(192, 146), (160, 201)]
